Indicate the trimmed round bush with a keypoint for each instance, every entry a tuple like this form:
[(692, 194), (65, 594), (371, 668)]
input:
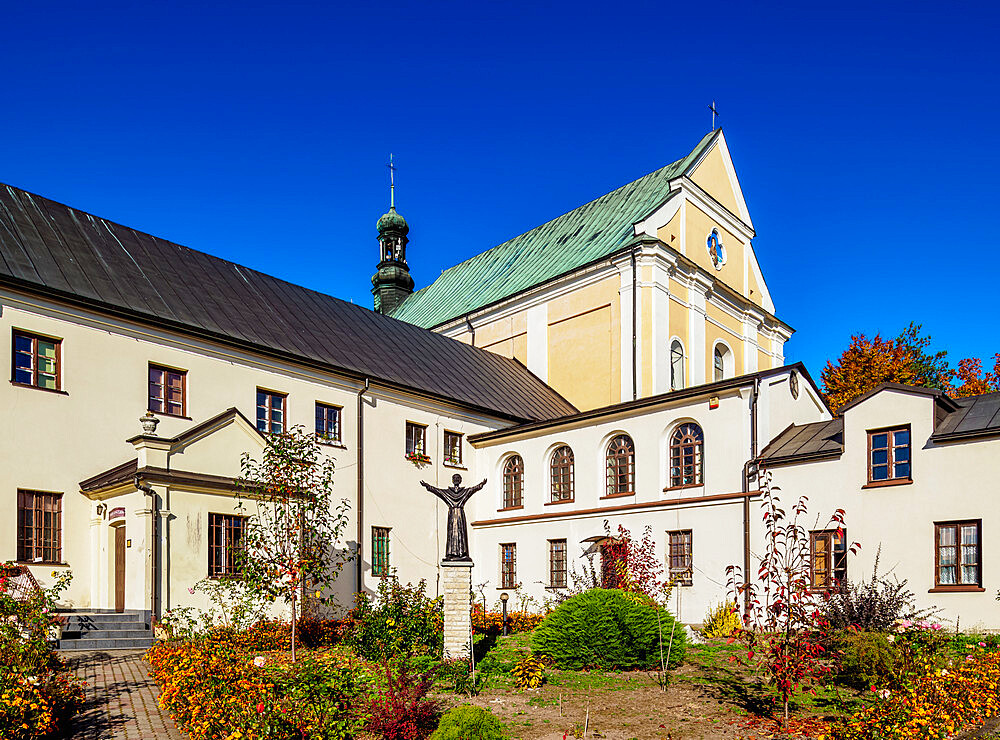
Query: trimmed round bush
[(610, 629), (469, 723)]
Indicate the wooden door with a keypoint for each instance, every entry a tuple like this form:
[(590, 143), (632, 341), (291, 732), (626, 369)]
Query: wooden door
[(119, 569)]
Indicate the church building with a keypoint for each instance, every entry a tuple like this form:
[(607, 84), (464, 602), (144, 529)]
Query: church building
[(622, 364)]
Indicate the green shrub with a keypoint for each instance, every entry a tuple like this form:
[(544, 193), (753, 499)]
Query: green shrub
[(610, 629), (469, 723), (866, 657), (398, 619)]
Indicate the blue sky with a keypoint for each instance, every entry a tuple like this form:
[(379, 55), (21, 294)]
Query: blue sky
[(865, 136)]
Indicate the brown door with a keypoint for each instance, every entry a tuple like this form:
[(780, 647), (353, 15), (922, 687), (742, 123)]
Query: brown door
[(119, 569)]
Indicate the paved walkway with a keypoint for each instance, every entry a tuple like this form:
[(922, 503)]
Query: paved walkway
[(121, 698)]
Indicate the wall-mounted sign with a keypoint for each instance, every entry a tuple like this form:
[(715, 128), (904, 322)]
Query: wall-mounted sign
[(128, 543), (117, 513), (713, 402)]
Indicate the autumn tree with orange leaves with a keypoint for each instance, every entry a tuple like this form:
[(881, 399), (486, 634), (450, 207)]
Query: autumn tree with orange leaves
[(866, 363)]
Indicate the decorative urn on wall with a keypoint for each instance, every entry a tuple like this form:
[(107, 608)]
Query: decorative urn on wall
[(149, 423)]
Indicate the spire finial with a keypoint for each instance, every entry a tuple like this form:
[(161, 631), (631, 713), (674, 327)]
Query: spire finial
[(714, 114), (392, 182)]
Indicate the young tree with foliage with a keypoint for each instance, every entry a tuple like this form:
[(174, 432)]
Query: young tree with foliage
[(290, 541), (782, 625)]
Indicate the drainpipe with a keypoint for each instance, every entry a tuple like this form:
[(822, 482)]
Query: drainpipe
[(359, 568), (635, 389), (472, 331), (154, 597), (751, 463)]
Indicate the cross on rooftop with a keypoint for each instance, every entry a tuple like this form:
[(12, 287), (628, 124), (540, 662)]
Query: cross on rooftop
[(714, 114)]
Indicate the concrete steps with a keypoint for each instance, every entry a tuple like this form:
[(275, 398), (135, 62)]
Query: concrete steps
[(101, 629)]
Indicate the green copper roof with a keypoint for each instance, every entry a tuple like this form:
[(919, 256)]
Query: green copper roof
[(583, 235)]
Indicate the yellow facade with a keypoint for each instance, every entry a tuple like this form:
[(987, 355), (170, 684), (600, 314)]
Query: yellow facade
[(713, 178)]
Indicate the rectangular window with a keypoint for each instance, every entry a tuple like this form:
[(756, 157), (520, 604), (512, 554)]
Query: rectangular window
[(679, 556), (452, 448), (225, 543), (508, 565), (557, 563), (270, 412), (416, 439), (828, 558), (889, 455), (39, 527), (36, 361), (167, 391), (380, 551), (958, 551), (328, 423)]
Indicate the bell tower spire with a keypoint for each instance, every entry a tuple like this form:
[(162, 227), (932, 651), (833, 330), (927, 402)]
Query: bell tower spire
[(392, 283)]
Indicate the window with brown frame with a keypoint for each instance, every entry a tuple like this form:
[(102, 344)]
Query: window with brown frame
[(328, 423), (557, 563), (380, 551), (271, 411), (827, 558), (513, 482), (225, 545), (687, 447), (508, 565), (889, 455), (39, 527), (621, 466), (958, 554), (452, 448), (680, 556), (416, 439), (719, 363), (561, 467), (167, 391), (36, 361)]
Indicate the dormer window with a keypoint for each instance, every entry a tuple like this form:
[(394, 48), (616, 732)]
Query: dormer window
[(889, 456)]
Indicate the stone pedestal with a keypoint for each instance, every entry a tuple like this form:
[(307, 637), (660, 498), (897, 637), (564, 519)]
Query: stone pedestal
[(457, 578)]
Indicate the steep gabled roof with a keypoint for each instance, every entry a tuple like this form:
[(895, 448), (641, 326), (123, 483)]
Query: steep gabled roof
[(585, 234), (50, 248)]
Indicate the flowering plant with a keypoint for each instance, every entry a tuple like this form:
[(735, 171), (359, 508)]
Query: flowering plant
[(418, 458)]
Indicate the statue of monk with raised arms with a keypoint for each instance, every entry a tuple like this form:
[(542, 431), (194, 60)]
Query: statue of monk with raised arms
[(457, 547)]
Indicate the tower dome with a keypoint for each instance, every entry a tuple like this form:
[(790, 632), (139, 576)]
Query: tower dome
[(392, 221)]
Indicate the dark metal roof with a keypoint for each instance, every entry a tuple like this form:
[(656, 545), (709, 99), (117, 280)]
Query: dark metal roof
[(798, 443), (695, 391), (976, 416), (118, 474), (49, 247)]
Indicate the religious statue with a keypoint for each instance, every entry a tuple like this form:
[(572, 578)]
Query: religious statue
[(457, 546)]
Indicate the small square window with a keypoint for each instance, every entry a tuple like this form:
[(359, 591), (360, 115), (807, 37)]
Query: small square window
[(416, 440), (39, 527), (167, 391), (889, 455), (225, 545), (452, 448), (958, 554), (270, 412), (328, 423), (36, 361)]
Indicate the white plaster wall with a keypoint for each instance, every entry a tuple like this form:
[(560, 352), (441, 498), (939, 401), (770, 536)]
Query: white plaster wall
[(52, 441), (955, 481)]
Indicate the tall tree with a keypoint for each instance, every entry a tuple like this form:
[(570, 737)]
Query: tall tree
[(291, 539)]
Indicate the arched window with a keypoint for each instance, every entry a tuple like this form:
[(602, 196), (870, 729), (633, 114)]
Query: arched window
[(687, 447), (676, 365), (621, 466), (722, 362), (513, 482), (562, 474)]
